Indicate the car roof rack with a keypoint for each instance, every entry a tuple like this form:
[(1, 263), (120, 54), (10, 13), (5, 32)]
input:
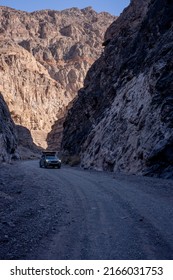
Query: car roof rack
[(49, 153)]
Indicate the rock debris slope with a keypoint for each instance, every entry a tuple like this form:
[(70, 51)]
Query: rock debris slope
[(123, 117), (44, 57)]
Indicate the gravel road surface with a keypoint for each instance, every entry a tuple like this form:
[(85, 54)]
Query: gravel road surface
[(70, 213)]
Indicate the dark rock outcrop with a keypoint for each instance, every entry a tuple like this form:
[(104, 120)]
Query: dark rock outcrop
[(123, 117), (8, 136)]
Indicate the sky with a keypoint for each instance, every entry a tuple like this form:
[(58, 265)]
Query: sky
[(114, 7)]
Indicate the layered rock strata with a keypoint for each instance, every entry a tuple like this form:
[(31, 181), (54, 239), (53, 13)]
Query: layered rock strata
[(44, 57), (123, 117)]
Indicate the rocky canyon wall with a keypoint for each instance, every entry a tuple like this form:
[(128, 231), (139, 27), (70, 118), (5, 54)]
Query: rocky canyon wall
[(122, 119), (8, 135), (44, 57)]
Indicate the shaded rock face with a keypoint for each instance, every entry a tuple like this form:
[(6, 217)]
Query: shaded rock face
[(26, 147), (129, 21), (8, 137), (44, 57), (124, 119)]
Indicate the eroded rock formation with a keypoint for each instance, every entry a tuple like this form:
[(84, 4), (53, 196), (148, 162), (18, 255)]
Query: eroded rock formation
[(8, 136), (123, 117), (44, 57)]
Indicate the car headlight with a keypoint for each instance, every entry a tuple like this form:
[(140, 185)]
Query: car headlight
[(47, 160)]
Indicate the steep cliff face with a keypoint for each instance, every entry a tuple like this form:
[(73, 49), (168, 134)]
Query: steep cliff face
[(126, 123), (44, 58), (8, 137), (35, 100)]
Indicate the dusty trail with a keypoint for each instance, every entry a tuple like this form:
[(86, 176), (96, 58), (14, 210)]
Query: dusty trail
[(75, 214)]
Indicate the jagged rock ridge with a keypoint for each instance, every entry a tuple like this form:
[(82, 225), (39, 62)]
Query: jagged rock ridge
[(123, 117), (44, 58)]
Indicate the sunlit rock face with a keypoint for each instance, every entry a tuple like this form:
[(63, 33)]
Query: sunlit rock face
[(123, 117), (44, 57), (8, 135)]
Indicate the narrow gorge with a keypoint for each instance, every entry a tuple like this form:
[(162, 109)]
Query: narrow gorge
[(91, 85), (44, 57)]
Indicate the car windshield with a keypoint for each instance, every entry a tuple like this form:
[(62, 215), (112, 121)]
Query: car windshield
[(51, 157)]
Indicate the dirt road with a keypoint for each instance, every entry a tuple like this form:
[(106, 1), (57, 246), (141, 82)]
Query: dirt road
[(70, 213)]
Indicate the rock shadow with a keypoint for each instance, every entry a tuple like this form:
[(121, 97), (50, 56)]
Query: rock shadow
[(26, 146)]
